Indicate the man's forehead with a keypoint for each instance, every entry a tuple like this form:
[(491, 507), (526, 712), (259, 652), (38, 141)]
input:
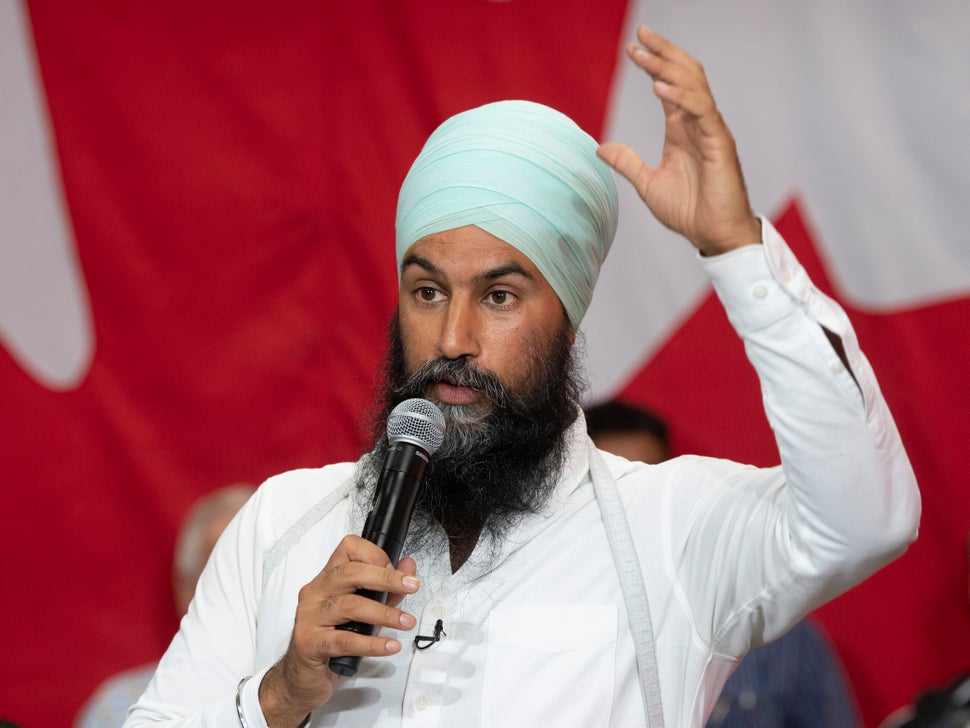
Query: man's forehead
[(468, 251)]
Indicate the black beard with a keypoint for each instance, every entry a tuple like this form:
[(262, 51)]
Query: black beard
[(501, 457)]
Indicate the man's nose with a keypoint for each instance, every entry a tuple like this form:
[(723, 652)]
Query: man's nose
[(459, 333)]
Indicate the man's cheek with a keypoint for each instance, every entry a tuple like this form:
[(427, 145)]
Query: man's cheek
[(412, 359)]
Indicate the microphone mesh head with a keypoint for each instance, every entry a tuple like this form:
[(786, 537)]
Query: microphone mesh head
[(419, 422)]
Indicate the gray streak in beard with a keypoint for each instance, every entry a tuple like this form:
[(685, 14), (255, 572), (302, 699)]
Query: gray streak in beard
[(464, 421)]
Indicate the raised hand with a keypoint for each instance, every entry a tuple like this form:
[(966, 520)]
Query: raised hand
[(697, 189), (302, 679)]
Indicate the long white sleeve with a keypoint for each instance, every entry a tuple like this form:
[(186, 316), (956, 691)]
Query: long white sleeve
[(768, 546)]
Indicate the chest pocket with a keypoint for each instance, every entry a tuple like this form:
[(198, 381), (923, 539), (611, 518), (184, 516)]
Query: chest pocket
[(549, 665)]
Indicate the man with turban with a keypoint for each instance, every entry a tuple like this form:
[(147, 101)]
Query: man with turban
[(547, 582)]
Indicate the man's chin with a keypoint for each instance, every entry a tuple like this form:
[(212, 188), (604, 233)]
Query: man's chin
[(466, 416)]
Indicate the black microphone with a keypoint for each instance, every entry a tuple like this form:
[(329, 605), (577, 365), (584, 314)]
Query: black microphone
[(415, 429)]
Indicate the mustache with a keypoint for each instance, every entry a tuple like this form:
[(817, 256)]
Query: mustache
[(457, 372)]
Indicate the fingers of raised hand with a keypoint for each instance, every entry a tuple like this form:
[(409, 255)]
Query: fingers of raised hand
[(660, 47), (678, 77)]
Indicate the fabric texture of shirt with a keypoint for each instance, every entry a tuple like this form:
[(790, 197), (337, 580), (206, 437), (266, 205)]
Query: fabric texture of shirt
[(537, 631), (794, 682)]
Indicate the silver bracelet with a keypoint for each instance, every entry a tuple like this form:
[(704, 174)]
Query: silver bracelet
[(239, 710)]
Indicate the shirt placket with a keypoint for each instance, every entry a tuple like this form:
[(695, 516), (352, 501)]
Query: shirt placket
[(429, 674)]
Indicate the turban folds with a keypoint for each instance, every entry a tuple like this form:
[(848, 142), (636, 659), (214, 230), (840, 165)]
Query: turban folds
[(526, 174)]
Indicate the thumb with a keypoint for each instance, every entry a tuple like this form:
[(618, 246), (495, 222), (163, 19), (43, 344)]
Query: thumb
[(627, 163)]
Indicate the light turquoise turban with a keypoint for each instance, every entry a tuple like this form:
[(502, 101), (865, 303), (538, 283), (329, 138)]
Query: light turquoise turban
[(527, 174)]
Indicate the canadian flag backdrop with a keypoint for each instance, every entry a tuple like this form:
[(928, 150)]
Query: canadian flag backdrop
[(196, 269)]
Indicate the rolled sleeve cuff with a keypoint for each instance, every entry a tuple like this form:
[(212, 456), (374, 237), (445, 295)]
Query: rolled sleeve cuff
[(249, 701)]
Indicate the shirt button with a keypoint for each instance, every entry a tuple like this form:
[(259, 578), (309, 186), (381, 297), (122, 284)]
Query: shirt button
[(760, 291), (785, 272), (422, 703), (747, 700), (836, 366)]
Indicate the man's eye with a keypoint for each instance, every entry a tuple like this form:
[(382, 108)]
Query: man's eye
[(500, 298), (427, 293)]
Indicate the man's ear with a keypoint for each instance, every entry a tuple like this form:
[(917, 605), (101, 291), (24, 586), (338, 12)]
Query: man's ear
[(569, 323)]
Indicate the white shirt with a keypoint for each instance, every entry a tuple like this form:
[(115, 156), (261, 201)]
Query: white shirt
[(732, 556)]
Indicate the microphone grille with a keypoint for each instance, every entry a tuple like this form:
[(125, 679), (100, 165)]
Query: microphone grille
[(419, 422)]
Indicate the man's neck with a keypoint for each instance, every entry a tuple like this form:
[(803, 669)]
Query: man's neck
[(462, 544), (460, 551)]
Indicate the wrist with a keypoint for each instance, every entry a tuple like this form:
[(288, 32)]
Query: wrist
[(747, 233), (280, 708)]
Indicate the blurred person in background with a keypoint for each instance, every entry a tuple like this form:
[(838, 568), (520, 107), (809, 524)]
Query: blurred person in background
[(205, 522), (629, 431)]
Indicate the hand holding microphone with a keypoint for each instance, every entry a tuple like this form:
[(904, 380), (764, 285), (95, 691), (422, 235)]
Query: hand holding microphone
[(301, 681), (415, 430)]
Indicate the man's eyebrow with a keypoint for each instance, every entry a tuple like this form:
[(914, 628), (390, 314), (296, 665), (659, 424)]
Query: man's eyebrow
[(504, 270), (489, 275), (412, 259)]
